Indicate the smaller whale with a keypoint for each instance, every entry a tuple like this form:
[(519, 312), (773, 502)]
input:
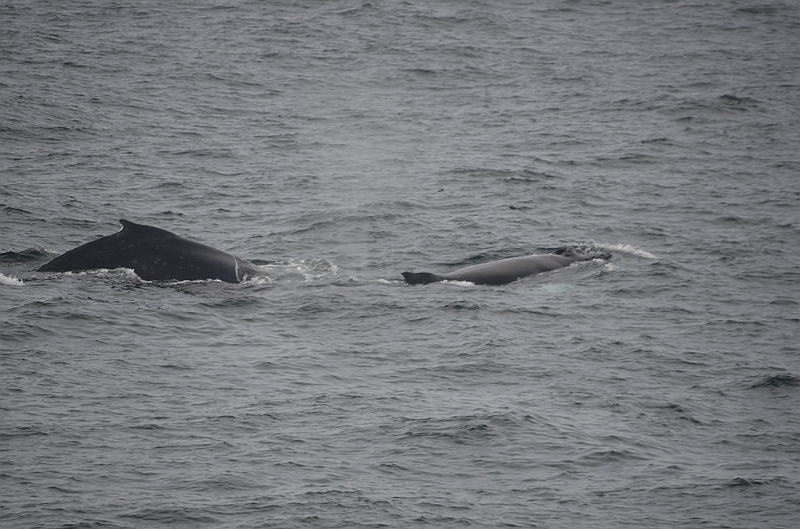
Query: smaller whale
[(154, 254), (509, 270)]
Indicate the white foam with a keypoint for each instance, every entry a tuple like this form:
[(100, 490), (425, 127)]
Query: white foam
[(307, 269), (551, 288), (609, 267), (625, 248), (123, 273), (458, 283), (10, 281), (257, 280)]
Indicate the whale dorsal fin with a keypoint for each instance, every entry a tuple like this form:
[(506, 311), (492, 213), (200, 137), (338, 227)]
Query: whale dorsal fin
[(129, 228), (142, 230), (128, 225)]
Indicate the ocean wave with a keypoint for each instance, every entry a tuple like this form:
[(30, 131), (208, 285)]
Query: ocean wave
[(10, 281), (300, 269), (776, 381)]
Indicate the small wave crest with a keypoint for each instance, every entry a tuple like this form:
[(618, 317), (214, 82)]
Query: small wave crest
[(125, 274), (458, 283), (10, 281), (24, 256), (624, 248), (779, 380)]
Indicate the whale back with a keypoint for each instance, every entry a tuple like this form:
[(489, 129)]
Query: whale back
[(420, 278), (508, 270), (154, 254)]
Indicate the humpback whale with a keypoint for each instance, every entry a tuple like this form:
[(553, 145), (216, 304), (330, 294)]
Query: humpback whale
[(154, 254), (508, 270)]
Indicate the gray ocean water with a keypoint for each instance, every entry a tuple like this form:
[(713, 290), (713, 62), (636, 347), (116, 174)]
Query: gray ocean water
[(340, 143)]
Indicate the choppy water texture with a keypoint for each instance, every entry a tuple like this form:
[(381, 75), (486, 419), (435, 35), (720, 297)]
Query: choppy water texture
[(340, 143)]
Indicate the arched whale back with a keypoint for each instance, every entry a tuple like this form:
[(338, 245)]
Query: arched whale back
[(507, 270), (421, 278), (154, 254)]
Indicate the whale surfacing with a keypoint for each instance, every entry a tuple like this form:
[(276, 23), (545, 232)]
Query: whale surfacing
[(508, 270), (154, 254)]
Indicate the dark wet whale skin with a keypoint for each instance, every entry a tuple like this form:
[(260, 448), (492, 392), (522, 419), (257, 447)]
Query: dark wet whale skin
[(508, 270), (154, 254)]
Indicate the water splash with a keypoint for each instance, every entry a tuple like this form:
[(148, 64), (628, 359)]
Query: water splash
[(10, 281), (626, 249), (302, 269)]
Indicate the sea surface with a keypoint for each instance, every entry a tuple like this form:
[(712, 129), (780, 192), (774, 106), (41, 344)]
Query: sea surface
[(339, 143)]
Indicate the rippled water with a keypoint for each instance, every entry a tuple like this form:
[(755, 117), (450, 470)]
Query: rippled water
[(340, 143)]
